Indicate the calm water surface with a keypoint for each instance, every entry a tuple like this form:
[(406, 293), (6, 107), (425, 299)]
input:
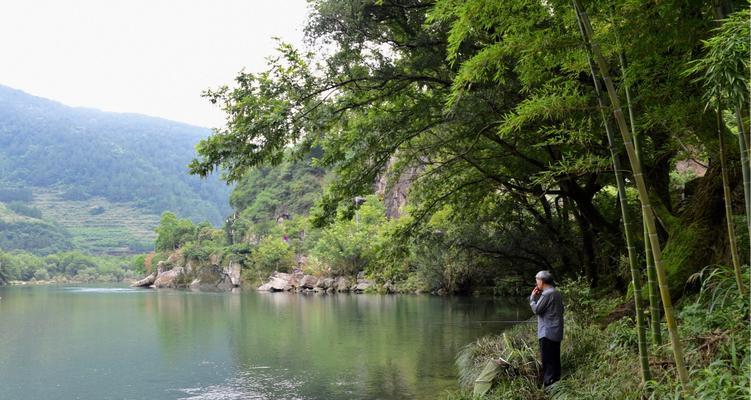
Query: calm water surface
[(118, 343)]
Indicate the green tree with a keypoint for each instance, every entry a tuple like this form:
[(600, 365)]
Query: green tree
[(173, 232), (271, 254)]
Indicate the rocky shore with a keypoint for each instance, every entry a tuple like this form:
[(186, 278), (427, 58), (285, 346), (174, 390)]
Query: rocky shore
[(299, 282), (178, 273)]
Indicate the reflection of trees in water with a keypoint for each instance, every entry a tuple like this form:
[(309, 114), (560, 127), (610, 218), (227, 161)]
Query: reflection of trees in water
[(341, 346), (387, 382), (188, 320)]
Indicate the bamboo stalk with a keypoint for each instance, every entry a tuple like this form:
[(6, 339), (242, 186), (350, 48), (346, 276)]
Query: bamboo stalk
[(728, 208), (626, 215), (654, 298), (745, 168), (654, 302), (643, 196)]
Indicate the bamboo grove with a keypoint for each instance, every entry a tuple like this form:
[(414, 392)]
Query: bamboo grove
[(602, 139)]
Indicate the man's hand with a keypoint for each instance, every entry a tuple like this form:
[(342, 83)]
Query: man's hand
[(535, 291)]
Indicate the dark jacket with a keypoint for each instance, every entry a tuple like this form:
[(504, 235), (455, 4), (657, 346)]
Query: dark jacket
[(549, 310)]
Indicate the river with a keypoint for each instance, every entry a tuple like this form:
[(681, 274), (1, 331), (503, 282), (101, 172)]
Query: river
[(86, 342)]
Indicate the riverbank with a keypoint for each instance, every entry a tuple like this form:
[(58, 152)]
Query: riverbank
[(599, 354)]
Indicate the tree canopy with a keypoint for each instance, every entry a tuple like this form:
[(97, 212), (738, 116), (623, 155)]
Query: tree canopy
[(492, 106)]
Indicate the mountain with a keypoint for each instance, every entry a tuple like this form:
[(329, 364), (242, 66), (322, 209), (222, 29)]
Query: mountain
[(53, 156)]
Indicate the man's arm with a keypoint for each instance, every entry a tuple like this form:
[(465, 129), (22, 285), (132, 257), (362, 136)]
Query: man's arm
[(539, 305)]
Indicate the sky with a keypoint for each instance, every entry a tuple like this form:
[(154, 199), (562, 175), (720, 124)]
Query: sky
[(151, 57)]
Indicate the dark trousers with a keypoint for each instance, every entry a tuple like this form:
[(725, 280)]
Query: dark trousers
[(551, 361)]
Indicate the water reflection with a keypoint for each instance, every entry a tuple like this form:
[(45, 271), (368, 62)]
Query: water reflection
[(166, 344)]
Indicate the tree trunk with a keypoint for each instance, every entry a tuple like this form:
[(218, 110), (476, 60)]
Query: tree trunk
[(693, 240)]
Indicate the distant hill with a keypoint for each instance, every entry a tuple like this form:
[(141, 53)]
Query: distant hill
[(86, 157)]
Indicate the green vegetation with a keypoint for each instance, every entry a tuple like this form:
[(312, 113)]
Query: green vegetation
[(62, 267), (47, 224), (22, 231), (504, 135), (600, 358), (84, 154)]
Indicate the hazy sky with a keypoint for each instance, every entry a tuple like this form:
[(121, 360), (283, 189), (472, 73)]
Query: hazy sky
[(152, 57)]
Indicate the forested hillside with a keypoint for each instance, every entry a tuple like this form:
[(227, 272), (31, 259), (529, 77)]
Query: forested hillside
[(86, 153)]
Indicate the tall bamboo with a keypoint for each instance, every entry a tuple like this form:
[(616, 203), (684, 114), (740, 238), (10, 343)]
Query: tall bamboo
[(615, 104), (745, 168), (719, 8), (652, 287), (626, 215), (728, 208), (654, 301)]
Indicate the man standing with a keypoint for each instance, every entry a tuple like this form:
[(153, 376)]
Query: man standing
[(547, 304)]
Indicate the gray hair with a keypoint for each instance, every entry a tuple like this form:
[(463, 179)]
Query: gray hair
[(545, 277)]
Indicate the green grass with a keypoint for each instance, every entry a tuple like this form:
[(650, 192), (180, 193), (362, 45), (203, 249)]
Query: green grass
[(602, 362)]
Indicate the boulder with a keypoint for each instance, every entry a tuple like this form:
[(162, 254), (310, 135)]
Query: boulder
[(325, 283), (168, 279), (214, 259), (389, 287), (233, 273), (308, 282), (280, 282), (161, 266), (224, 284), (295, 279), (145, 282), (266, 287), (362, 285), (342, 284)]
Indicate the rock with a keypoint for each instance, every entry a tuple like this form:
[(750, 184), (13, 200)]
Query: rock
[(295, 279), (161, 266), (341, 284), (233, 272), (266, 287), (308, 282), (362, 285), (145, 282), (325, 283), (214, 259), (224, 284), (190, 268), (389, 287), (280, 282), (168, 279)]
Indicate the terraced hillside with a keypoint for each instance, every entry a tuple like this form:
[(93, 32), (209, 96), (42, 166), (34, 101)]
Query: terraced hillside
[(97, 225)]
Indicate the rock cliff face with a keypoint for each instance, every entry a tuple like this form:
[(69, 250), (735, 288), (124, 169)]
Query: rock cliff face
[(177, 272), (394, 189)]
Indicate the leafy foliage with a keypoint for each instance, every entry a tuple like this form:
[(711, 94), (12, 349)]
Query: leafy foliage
[(64, 266)]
